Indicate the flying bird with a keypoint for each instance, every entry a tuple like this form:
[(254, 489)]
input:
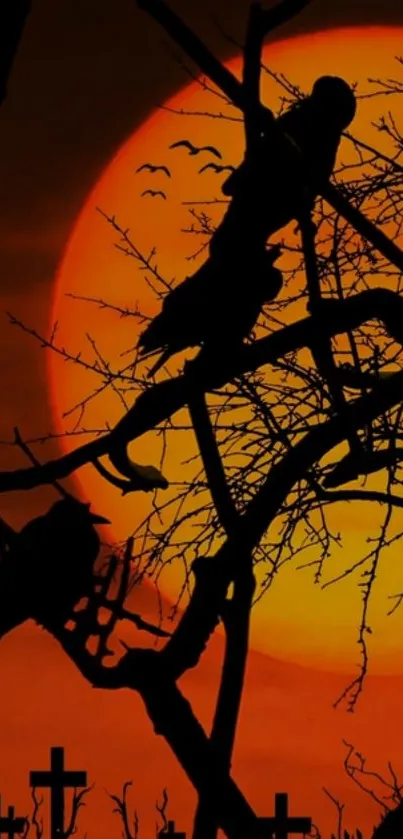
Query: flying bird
[(149, 167), (195, 149), (217, 168), (48, 567), (154, 193), (217, 316)]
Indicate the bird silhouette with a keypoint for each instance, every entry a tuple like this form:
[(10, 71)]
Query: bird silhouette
[(266, 193), (47, 567), (217, 168), (154, 193), (216, 316), (266, 189), (195, 149), (150, 167)]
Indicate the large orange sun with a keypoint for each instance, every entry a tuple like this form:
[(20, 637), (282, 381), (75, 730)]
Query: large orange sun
[(296, 620)]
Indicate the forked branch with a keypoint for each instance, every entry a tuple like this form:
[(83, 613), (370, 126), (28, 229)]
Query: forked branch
[(235, 92), (166, 398)]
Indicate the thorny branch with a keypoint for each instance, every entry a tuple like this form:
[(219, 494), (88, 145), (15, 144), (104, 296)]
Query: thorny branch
[(283, 447), (355, 765), (386, 246), (78, 802)]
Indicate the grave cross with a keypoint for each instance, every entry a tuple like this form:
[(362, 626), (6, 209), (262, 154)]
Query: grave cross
[(11, 824), (171, 832), (282, 824), (57, 779)]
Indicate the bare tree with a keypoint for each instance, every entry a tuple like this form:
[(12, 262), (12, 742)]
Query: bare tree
[(348, 394)]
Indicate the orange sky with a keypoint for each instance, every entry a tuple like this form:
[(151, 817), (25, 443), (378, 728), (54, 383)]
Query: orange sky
[(310, 622), (289, 736)]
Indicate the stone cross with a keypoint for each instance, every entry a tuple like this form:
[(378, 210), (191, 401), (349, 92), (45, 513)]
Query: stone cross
[(281, 824), (11, 824), (171, 832), (57, 779)]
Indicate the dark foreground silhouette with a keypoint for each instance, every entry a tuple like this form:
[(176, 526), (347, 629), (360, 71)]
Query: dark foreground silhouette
[(391, 826), (268, 187), (58, 779), (217, 315), (48, 566), (220, 303)]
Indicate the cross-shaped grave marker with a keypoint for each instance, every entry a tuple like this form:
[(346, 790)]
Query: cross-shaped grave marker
[(171, 832), (281, 824), (57, 779), (11, 824)]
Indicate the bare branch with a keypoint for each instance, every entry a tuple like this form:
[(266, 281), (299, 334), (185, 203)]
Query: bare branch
[(35, 820), (78, 802), (122, 810), (161, 808), (340, 807), (161, 401)]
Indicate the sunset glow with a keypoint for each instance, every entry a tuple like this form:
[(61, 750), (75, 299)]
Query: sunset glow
[(296, 620)]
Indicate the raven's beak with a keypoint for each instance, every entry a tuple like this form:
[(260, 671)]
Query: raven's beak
[(99, 519)]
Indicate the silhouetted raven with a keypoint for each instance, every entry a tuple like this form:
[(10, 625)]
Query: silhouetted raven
[(216, 168), (154, 193), (221, 302), (266, 188), (215, 311), (48, 566), (192, 149), (152, 168)]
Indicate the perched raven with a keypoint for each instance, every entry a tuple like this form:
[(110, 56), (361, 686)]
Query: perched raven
[(220, 303), (215, 308), (266, 189), (48, 566)]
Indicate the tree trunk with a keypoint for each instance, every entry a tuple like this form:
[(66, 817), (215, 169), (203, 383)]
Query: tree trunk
[(236, 618), (173, 718)]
